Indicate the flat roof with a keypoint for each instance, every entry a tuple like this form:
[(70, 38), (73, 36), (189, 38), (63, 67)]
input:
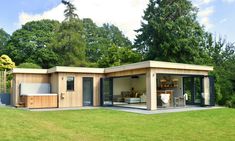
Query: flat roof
[(133, 66)]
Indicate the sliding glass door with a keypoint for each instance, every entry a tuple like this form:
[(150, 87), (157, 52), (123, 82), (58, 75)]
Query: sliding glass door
[(106, 92), (193, 87), (87, 91)]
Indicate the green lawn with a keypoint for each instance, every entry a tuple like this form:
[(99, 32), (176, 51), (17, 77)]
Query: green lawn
[(108, 125)]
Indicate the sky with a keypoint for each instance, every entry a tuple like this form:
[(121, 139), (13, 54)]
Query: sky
[(217, 16)]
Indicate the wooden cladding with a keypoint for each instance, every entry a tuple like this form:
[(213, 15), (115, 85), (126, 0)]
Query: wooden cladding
[(40, 101)]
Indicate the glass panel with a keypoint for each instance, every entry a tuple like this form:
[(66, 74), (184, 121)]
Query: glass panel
[(193, 88), (197, 97), (107, 92), (188, 89), (70, 83), (87, 91)]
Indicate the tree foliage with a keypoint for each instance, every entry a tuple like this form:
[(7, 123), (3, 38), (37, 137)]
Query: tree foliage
[(29, 65), (100, 41), (69, 43), (4, 38), (6, 63), (221, 55), (30, 43), (170, 32), (115, 56), (70, 10)]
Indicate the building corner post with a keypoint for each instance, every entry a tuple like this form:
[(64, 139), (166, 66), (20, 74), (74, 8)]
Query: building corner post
[(151, 90)]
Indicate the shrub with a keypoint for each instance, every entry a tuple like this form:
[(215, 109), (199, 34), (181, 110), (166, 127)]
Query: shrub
[(6, 63), (231, 102), (29, 65)]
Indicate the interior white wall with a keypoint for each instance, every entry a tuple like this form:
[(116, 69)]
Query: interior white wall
[(139, 84), (126, 83), (121, 84)]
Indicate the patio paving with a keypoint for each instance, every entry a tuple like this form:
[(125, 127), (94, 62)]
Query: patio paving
[(131, 110), (61, 109), (163, 110)]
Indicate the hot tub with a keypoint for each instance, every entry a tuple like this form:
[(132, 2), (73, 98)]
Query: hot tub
[(37, 95), (40, 100)]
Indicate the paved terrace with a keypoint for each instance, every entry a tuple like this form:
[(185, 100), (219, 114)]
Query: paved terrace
[(134, 110)]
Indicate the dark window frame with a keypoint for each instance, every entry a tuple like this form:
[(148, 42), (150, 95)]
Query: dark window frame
[(70, 83)]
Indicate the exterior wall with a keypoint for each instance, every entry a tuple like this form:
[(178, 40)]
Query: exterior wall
[(151, 89), (25, 78), (75, 98), (206, 86), (54, 83)]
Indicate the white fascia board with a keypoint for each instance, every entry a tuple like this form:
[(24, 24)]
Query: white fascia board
[(133, 66), (169, 65), (76, 70), (31, 71)]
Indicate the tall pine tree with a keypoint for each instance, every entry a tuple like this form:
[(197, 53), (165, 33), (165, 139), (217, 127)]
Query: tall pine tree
[(170, 32), (69, 42)]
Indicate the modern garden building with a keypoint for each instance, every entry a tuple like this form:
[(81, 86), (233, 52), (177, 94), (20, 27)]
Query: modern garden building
[(149, 85)]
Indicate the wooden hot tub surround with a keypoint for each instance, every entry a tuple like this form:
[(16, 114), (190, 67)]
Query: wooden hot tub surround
[(40, 101)]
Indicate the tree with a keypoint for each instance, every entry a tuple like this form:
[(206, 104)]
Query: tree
[(170, 32), (6, 63), (29, 65), (104, 39), (115, 56), (30, 43), (69, 42), (69, 12), (4, 38), (220, 54), (114, 35)]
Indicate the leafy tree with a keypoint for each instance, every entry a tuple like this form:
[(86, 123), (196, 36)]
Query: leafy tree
[(95, 43), (29, 65), (170, 32), (221, 55), (104, 39), (30, 43), (4, 38), (114, 35), (6, 63), (69, 42), (115, 56), (110, 58)]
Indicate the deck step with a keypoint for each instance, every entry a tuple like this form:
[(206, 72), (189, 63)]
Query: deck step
[(19, 106)]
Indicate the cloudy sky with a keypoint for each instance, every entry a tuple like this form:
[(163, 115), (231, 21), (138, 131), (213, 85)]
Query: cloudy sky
[(218, 16)]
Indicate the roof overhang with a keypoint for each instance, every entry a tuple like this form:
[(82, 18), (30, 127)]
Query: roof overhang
[(158, 64), (31, 71), (76, 70), (134, 66)]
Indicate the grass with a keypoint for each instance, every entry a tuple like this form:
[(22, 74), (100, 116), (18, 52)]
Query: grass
[(110, 125)]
